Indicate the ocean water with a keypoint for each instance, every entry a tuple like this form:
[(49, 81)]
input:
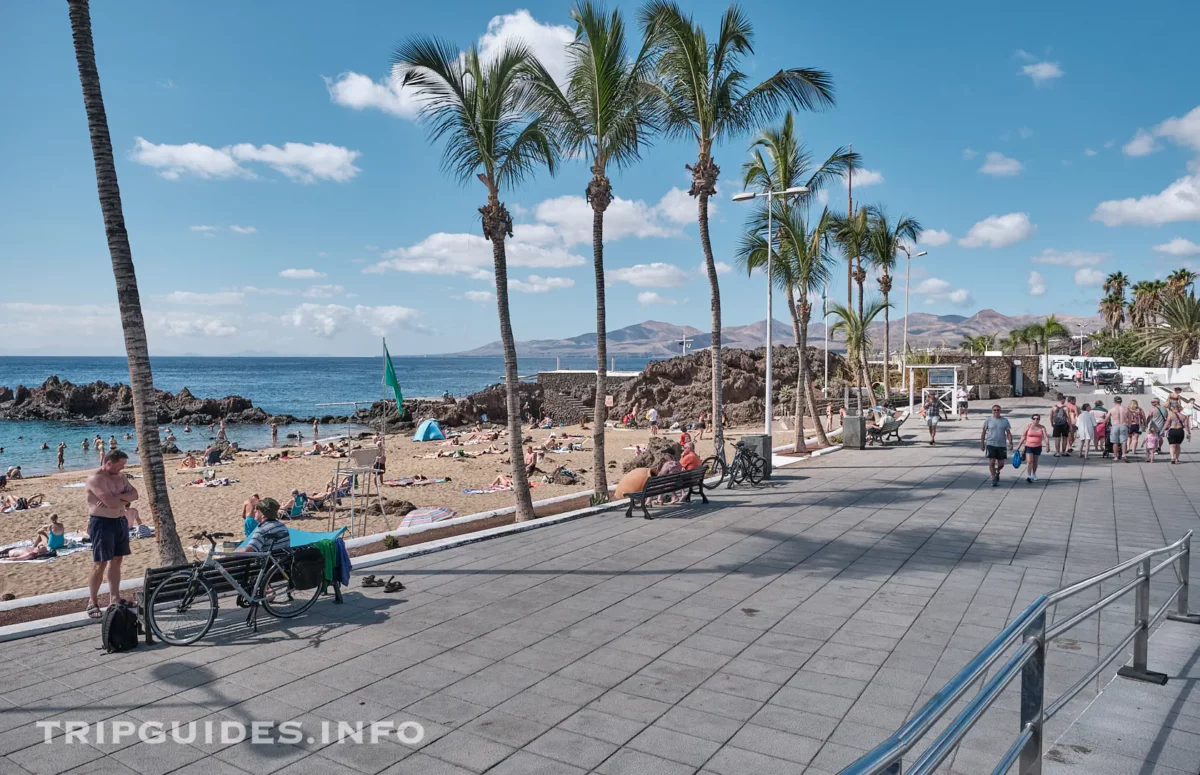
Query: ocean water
[(278, 385)]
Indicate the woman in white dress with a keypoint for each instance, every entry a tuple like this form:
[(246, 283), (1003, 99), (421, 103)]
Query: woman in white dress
[(1087, 429)]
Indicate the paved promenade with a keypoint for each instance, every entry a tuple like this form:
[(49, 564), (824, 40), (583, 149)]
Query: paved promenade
[(781, 630)]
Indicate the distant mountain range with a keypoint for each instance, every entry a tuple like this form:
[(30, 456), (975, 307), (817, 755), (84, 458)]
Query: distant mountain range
[(653, 339)]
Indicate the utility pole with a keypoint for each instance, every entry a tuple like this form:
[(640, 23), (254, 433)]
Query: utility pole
[(849, 215)]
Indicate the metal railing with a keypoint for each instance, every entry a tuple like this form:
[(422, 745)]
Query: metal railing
[(1030, 634)]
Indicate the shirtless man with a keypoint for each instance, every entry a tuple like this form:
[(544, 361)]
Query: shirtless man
[(249, 505), (109, 494), (1073, 419), (274, 434), (62, 455)]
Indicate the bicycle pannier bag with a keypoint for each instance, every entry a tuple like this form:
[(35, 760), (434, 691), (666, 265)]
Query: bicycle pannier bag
[(308, 567)]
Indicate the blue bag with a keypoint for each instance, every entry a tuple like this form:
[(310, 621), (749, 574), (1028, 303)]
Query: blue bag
[(1016, 458)]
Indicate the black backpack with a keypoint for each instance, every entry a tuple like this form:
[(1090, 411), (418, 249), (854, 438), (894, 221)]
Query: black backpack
[(120, 628), (1058, 416), (308, 568)]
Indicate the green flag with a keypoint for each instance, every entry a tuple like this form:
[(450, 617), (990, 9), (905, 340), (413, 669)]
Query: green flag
[(389, 379)]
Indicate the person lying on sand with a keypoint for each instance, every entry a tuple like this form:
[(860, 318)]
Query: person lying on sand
[(189, 461), (503, 480), (17, 503)]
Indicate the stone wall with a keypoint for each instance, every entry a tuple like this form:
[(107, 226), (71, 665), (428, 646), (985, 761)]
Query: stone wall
[(567, 396), (994, 371)]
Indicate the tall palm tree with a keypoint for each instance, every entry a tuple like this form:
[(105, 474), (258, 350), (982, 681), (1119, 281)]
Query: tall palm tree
[(1148, 296), (1115, 284), (701, 93), (145, 414), (1112, 309), (1177, 340), (483, 110), (884, 240), (801, 267), (852, 234), (855, 329), (602, 116), (1179, 282)]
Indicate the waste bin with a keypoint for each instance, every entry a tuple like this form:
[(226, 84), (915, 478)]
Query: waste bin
[(760, 443), (854, 432)]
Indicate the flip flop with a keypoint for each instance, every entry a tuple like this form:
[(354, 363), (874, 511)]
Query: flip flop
[(371, 581), (392, 586)]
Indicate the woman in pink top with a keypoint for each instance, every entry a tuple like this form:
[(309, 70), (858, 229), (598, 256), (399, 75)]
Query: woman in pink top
[(1032, 439)]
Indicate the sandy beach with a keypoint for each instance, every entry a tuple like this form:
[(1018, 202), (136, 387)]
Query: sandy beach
[(219, 508)]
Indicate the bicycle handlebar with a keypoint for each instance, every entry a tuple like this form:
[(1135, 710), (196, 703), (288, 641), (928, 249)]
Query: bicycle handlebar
[(210, 536)]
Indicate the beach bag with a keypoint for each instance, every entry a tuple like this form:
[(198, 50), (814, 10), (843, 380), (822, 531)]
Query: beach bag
[(119, 629), (1016, 461), (308, 568), (1058, 416)]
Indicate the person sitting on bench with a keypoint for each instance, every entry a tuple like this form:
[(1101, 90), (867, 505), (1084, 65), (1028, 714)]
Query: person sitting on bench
[(271, 534)]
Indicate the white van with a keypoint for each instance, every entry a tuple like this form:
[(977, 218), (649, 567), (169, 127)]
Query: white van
[(1062, 368)]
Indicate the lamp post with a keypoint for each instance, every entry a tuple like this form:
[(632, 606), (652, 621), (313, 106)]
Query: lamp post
[(1080, 327), (746, 196), (904, 355)]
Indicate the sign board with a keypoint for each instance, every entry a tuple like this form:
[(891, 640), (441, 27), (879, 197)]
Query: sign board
[(608, 401), (941, 376)]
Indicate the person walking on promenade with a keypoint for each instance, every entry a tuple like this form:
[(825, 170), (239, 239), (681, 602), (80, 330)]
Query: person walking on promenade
[(109, 494), (1177, 427), (1137, 426), (1101, 415), (1033, 438), (1156, 423), (1073, 419), (932, 411), (1118, 429), (1086, 430), (996, 442), (1060, 422)]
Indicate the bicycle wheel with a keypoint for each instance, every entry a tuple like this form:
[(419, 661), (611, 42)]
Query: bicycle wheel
[(756, 470), (182, 609), (737, 472), (713, 467), (285, 601)]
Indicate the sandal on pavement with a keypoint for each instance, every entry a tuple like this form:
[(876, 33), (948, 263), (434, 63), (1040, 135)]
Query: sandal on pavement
[(392, 586), (93, 611), (371, 581)]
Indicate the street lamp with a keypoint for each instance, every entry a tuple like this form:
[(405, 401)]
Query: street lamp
[(746, 196), (907, 276)]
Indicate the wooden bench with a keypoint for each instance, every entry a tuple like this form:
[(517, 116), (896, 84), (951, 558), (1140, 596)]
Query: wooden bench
[(889, 430), (243, 567), (690, 481)]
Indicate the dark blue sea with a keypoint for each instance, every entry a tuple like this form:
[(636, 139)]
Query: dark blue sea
[(278, 385)]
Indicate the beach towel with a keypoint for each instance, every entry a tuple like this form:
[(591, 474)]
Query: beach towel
[(426, 515), (406, 482), (485, 490), (73, 484), (224, 481), (141, 531), (74, 542)]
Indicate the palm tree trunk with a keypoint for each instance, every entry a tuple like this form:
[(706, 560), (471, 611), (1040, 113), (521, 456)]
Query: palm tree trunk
[(798, 445), (500, 265), (715, 289), (601, 411), (809, 392), (145, 413)]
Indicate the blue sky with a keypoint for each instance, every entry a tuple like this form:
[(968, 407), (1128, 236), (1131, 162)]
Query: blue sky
[(280, 198)]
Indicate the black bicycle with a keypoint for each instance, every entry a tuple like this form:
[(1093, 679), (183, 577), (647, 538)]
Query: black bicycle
[(746, 465)]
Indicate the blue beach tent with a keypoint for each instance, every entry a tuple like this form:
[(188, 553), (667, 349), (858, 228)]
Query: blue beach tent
[(429, 430)]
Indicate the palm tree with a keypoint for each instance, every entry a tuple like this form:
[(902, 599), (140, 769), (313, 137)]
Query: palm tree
[(1112, 309), (978, 345), (855, 329), (483, 111), (969, 344), (1177, 340), (701, 94), (145, 413), (1052, 328), (1179, 282), (884, 240), (603, 116), (1115, 284), (800, 266), (1147, 302), (852, 232)]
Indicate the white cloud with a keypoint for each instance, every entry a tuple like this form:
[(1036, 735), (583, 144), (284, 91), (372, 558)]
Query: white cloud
[(720, 266), (936, 289), (1089, 277), (305, 163), (301, 274), (205, 229), (481, 297), (1180, 201), (325, 320), (969, 153), (222, 298), (268, 291), (1088, 152), (1142, 144), (1025, 133), (864, 178), (325, 292), (1179, 247), (548, 41), (190, 325), (655, 275), (1037, 284), (934, 237), (646, 298), (999, 231), (1042, 73), (571, 218), (242, 229), (357, 91), (469, 254), (535, 284), (1071, 258), (679, 207), (1000, 165)]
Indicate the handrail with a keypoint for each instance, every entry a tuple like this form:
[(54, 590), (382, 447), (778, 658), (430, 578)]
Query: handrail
[(1029, 628)]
